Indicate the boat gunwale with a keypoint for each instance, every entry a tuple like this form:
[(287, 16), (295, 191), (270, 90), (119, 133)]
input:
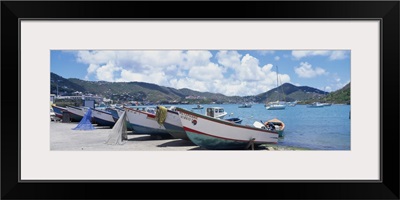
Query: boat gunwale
[(275, 120), (142, 112), (101, 111), (171, 111), (59, 107), (222, 121), (74, 107)]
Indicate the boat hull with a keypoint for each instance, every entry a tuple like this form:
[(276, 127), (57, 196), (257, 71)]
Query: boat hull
[(102, 118), (174, 127), (279, 126), (212, 142), (119, 113), (58, 111), (211, 133), (275, 107), (315, 106), (76, 114), (245, 106), (144, 123), (235, 120)]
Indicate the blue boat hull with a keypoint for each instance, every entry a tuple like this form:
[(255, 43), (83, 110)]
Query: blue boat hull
[(101, 122), (176, 131), (75, 117), (146, 130), (58, 111)]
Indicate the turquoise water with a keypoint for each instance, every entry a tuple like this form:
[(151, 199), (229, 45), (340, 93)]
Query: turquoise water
[(326, 128)]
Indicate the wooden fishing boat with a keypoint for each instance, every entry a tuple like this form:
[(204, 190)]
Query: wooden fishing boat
[(76, 113), (103, 118), (171, 121), (58, 110), (212, 133), (117, 112), (144, 122)]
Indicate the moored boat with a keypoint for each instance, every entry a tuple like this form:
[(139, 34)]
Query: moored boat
[(275, 124), (198, 107), (212, 133), (275, 106), (315, 105), (326, 104), (235, 120), (216, 112), (278, 105), (245, 105)]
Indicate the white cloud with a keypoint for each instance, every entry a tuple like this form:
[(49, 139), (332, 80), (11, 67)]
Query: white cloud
[(265, 52), (228, 72), (335, 82), (129, 76), (338, 55), (209, 72), (230, 59), (277, 58), (327, 89), (333, 55), (92, 68), (195, 58), (190, 84), (305, 70), (301, 54), (106, 72), (95, 57)]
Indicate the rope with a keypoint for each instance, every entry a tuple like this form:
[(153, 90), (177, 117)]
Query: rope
[(161, 114)]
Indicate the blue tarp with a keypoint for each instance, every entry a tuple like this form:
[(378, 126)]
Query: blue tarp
[(85, 123)]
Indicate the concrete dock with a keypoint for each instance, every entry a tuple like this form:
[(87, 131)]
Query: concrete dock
[(63, 138)]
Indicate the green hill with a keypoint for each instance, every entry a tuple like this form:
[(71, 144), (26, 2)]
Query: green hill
[(289, 92), (148, 92), (134, 91), (341, 96)]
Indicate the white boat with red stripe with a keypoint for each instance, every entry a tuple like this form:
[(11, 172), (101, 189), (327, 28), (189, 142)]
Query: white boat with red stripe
[(211, 133), (144, 122)]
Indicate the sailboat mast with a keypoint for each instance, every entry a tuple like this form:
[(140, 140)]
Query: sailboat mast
[(277, 82)]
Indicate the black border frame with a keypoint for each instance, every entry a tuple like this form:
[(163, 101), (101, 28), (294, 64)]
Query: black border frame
[(386, 11)]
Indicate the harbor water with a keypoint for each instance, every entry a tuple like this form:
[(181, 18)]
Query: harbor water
[(326, 128)]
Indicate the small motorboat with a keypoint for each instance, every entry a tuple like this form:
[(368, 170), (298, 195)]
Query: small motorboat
[(275, 124), (198, 107), (235, 120)]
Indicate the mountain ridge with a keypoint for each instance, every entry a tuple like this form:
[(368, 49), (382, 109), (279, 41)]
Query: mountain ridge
[(141, 91)]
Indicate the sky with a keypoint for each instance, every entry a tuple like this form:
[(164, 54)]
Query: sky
[(229, 72)]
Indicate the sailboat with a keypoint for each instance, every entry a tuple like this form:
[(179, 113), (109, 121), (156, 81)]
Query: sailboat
[(277, 105)]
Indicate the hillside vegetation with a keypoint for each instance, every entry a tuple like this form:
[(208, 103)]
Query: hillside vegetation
[(341, 96), (140, 91)]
